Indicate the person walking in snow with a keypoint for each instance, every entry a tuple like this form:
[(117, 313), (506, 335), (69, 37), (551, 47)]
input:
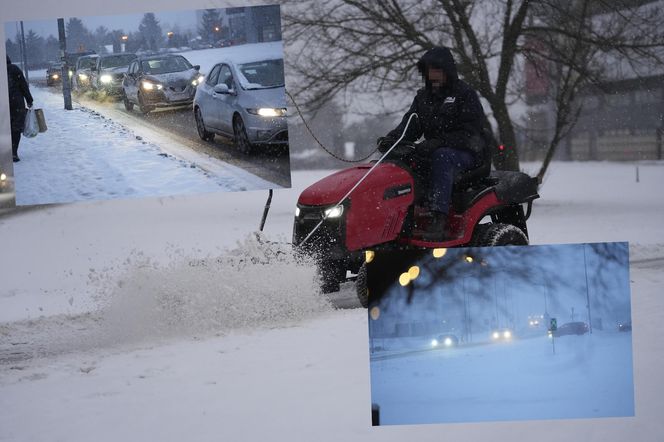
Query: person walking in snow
[(452, 121), (19, 95)]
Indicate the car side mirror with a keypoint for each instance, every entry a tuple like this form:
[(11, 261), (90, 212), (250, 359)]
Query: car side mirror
[(221, 88), (197, 67)]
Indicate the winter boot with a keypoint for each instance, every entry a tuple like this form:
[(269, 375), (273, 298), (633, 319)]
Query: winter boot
[(435, 232), (16, 158)]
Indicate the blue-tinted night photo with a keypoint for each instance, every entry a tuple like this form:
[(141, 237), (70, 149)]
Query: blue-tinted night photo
[(503, 333)]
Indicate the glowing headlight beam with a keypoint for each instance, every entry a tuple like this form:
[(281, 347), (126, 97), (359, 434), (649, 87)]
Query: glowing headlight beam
[(434, 342), (334, 212), (448, 342), (271, 112), (105, 79), (149, 86)]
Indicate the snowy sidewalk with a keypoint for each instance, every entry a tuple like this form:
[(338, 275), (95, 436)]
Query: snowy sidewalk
[(85, 156)]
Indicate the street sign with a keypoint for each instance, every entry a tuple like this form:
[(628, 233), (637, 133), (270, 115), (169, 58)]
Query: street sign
[(554, 324)]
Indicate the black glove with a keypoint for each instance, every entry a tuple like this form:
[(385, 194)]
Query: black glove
[(384, 143)]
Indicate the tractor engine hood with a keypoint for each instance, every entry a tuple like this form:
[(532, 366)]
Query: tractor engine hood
[(385, 178)]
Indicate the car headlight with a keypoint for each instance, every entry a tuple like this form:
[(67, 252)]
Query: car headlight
[(495, 335), (507, 334), (3, 177), (434, 342), (82, 77), (55, 76), (71, 73), (448, 342), (268, 112), (198, 80), (150, 86), (105, 79), (334, 212), (297, 212)]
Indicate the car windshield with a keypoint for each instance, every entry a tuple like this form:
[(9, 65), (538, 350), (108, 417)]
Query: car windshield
[(262, 74), (86, 63), (165, 65), (117, 61)]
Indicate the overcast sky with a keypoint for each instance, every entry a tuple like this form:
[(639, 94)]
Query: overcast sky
[(186, 20)]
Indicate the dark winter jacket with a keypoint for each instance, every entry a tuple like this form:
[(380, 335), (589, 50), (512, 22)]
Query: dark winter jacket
[(19, 94), (451, 116)]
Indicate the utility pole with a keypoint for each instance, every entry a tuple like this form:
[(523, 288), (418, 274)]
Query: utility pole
[(66, 81), (585, 266)]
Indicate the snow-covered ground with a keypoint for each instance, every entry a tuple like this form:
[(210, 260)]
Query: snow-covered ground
[(588, 376), (85, 156), (116, 321)]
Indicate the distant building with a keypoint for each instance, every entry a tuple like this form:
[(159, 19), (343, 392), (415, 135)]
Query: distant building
[(254, 24), (621, 119)]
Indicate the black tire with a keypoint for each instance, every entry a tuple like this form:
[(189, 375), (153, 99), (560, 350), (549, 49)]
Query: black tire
[(141, 106), (200, 126), (361, 287), (127, 104), (498, 234), (332, 273), (240, 133)]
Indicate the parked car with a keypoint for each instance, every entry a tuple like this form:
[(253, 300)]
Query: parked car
[(571, 328), (82, 77), (502, 335), (160, 81), (109, 71), (446, 340), (245, 100), (53, 74)]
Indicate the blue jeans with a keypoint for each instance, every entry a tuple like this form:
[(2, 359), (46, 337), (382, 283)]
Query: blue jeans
[(446, 164)]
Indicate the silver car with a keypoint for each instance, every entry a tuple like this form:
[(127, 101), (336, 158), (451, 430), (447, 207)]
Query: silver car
[(109, 72), (81, 79), (246, 101)]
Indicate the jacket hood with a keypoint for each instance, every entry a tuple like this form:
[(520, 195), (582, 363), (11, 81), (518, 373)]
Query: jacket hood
[(440, 58)]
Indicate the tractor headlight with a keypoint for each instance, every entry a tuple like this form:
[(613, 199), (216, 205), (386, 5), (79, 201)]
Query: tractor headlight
[(448, 342), (150, 86), (71, 73), (268, 112), (434, 342), (82, 77), (105, 79), (334, 212)]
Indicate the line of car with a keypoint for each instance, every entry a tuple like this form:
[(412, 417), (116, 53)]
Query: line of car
[(243, 100)]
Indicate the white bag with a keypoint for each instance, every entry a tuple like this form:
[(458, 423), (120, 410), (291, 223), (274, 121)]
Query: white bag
[(31, 127)]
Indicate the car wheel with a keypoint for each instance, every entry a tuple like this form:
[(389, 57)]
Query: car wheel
[(200, 126), (127, 104), (498, 234), (241, 139), (332, 273), (142, 106)]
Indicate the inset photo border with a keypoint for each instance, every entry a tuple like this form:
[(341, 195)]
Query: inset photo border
[(153, 104), (500, 334)]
